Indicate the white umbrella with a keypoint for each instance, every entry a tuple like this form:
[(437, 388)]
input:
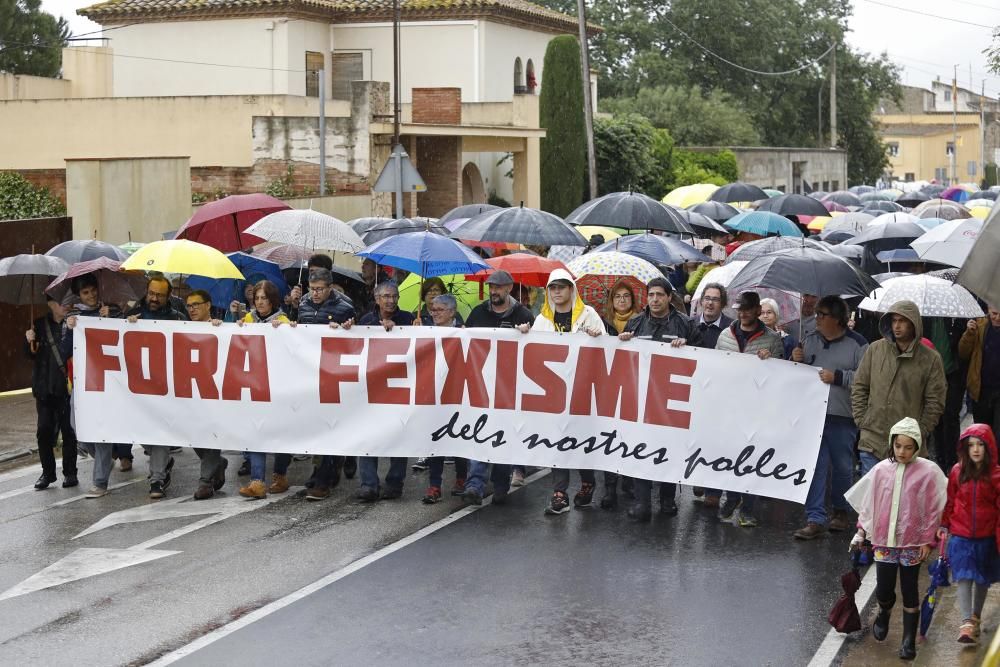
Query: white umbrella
[(935, 297), (950, 242), (887, 218), (307, 229)]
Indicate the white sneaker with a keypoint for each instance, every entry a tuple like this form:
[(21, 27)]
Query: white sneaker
[(96, 492), (517, 478)]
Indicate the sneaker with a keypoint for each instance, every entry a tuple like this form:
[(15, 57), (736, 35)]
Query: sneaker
[(204, 492), (125, 464), (472, 497), (432, 496), (44, 481), (420, 465), (366, 495), (729, 508), (640, 512), (746, 520), (279, 483), (350, 466), (392, 492), (559, 503), (255, 490), (809, 532), (244, 469), (584, 498), (70, 481), (219, 478), (967, 632), (840, 522), (458, 488), (166, 480), (317, 493), (156, 490), (95, 492), (517, 478)]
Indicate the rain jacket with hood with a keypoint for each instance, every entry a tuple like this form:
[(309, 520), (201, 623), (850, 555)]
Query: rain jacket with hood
[(899, 504), (970, 350), (583, 316), (973, 507), (890, 384)]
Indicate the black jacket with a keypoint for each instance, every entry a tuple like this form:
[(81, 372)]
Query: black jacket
[(400, 317), (48, 379), (483, 316), (144, 313), (710, 332), (674, 324), (337, 308)]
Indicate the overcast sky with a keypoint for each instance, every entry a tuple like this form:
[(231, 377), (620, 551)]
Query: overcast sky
[(924, 46)]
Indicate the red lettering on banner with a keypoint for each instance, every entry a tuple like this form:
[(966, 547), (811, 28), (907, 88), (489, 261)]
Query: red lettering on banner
[(99, 363), (380, 370), (465, 371), (425, 361), (188, 372), (332, 371), (505, 391), (592, 377), (553, 398), (155, 343), (661, 389), (246, 368)]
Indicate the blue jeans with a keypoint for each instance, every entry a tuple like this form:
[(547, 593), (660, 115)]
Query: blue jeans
[(368, 469), (258, 464), (500, 477), (868, 461), (836, 452)]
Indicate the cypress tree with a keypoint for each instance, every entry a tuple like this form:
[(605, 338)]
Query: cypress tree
[(564, 148)]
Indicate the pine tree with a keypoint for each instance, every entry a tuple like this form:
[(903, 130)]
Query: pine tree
[(564, 148)]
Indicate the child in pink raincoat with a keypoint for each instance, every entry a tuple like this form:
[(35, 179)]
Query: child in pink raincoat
[(899, 504)]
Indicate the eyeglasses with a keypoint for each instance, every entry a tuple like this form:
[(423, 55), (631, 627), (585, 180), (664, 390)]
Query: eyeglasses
[(712, 299), (195, 304), (820, 313), (319, 290), (622, 297)]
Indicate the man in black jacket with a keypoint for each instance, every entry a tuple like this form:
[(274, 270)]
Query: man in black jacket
[(48, 386), (712, 321)]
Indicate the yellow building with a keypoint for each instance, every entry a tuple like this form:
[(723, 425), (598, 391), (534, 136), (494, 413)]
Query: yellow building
[(920, 146)]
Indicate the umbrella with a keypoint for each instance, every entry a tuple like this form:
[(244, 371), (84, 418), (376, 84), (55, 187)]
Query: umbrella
[(761, 247), (764, 223), (468, 293), (687, 195), (22, 277), (182, 256), (772, 193), (735, 192), (880, 278), (715, 210), (974, 203), (85, 250), (844, 615), (597, 272), (660, 250), (860, 189), (939, 577), (788, 302), (115, 286), (834, 207), (878, 195), (805, 270), (980, 271), (401, 226), (130, 247), (949, 243), (935, 297), (912, 199), (425, 253), (950, 274), (985, 194), (793, 205), (285, 256), (713, 250), (590, 231), (955, 193), (980, 211), (529, 226), (849, 222), (307, 228), (930, 223), (253, 268), (836, 236), (466, 211), (818, 223), (700, 224), (852, 252), (222, 224), (844, 198), (890, 218), (565, 253), (941, 208), (897, 255), (888, 236), (629, 210), (878, 207), (362, 225), (530, 270)]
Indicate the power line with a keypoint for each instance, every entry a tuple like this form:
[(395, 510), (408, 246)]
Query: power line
[(102, 30), (933, 16)]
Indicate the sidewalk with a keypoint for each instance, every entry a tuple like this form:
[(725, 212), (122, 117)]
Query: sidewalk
[(17, 437)]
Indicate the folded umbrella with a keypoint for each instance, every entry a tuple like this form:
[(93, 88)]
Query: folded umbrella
[(658, 250), (939, 578), (424, 253), (935, 297), (844, 616), (84, 250), (528, 226), (114, 285), (307, 228)]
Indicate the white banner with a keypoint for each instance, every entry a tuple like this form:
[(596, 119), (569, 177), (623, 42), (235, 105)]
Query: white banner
[(642, 409)]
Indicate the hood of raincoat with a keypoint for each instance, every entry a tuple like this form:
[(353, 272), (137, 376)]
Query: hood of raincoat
[(906, 426), (548, 310), (984, 433), (907, 309)]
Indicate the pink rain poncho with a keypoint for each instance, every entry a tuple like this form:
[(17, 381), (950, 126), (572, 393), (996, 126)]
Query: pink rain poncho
[(899, 505)]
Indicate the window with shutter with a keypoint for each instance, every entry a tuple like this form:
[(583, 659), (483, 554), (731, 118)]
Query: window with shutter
[(314, 63), (347, 67)]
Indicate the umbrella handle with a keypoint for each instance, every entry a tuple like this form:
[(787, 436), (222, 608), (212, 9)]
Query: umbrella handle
[(33, 346)]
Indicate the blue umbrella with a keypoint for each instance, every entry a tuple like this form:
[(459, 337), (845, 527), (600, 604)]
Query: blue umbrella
[(424, 253), (659, 250), (898, 255), (939, 577), (763, 223), (227, 289)]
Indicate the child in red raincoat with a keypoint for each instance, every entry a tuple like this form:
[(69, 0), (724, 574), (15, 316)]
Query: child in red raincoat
[(971, 524)]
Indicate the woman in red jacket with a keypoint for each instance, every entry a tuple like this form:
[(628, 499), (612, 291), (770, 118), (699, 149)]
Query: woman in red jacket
[(970, 524)]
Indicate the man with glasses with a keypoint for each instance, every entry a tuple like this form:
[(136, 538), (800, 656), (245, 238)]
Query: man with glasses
[(386, 311), (836, 351), (712, 320)]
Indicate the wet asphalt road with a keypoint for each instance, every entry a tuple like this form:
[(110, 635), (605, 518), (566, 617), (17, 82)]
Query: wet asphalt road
[(502, 585)]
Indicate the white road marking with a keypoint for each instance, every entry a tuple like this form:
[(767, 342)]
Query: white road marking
[(828, 650), (112, 487), (16, 492), (309, 589)]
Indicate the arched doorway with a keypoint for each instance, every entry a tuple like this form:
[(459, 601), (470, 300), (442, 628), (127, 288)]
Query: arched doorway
[(473, 191)]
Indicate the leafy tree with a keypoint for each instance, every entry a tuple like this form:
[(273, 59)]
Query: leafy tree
[(31, 40), (624, 146), (564, 148), (690, 167), (20, 200), (993, 53)]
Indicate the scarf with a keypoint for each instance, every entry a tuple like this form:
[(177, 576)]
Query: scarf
[(619, 321)]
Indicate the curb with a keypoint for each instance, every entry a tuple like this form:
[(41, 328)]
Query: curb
[(14, 455)]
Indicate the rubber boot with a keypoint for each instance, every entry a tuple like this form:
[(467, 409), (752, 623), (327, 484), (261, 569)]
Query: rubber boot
[(880, 628), (908, 649)]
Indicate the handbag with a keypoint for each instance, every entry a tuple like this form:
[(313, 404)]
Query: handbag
[(844, 615)]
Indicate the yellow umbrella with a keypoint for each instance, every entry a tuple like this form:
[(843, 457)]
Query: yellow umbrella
[(185, 257), (980, 212), (689, 195), (818, 223), (590, 230)]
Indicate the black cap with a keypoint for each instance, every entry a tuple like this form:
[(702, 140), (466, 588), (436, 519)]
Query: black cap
[(748, 300), (500, 277)]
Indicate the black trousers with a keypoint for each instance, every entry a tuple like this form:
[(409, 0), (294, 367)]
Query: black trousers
[(987, 409), (53, 418), (885, 584), (948, 428)]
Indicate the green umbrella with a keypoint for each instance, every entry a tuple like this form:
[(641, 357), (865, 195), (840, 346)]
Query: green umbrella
[(773, 193), (466, 292), (131, 247)]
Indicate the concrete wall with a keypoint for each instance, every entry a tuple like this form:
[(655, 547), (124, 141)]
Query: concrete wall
[(773, 167), (90, 71), (25, 87), (500, 46), (143, 196)]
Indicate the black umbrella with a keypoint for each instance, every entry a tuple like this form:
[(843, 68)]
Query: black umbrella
[(74, 252), (844, 198), (715, 210), (466, 211), (794, 205), (632, 211), (738, 192), (760, 247), (362, 225), (401, 226), (817, 194), (934, 189), (985, 194), (911, 199), (835, 237), (879, 207), (702, 225), (529, 226), (852, 252), (658, 250), (804, 270), (906, 231)]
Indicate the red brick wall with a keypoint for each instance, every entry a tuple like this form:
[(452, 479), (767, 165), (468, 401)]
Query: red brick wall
[(437, 106), (210, 181), (440, 165), (53, 179)]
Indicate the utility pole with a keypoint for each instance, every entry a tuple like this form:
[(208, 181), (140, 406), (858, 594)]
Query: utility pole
[(954, 128), (396, 111), (322, 133), (982, 135), (819, 117), (588, 104), (833, 97)]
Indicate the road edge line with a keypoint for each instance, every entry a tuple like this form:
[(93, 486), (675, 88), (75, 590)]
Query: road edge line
[(829, 649)]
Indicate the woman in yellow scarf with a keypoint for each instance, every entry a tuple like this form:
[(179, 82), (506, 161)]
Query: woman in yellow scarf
[(620, 306)]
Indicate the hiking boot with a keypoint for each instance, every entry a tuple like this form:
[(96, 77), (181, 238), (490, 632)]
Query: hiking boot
[(559, 503), (967, 632), (668, 507), (584, 498), (219, 478), (204, 492), (350, 466), (156, 490), (279, 483), (880, 628), (517, 478), (458, 488), (711, 502), (44, 481), (840, 522), (728, 508), (420, 465), (255, 490), (70, 481), (96, 492), (367, 495), (432, 496), (809, 532), (610, 499), (317, 493), (472, 497), (392, 492), (908, 647), (244, 468), (125, 464), (640, 512)]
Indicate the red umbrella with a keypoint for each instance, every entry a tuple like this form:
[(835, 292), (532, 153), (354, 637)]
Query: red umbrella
[(222, 224), (530, 270), (115, 286)]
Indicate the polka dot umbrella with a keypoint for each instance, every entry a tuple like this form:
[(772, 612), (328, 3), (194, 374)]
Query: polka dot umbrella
[(597, 272)]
